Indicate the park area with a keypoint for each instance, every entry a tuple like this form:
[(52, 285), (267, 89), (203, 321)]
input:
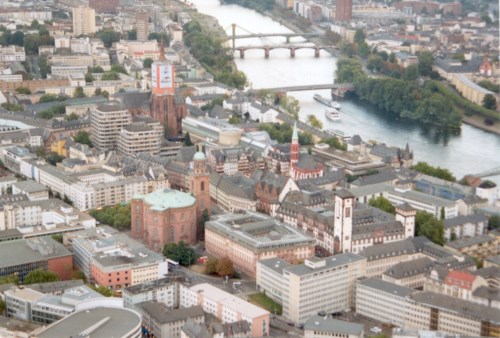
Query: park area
[(260, 299)]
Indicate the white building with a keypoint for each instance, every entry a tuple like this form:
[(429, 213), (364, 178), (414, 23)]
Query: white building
[(12, 54), (164, 290), (302, 288)]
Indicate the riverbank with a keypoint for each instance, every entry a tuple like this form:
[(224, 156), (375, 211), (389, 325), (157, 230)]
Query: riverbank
[(478, 122)]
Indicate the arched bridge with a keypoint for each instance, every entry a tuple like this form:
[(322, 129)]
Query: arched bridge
[(268, 49)]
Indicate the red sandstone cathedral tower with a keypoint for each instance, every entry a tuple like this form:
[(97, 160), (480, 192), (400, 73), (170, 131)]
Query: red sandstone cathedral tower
[(166, 108)]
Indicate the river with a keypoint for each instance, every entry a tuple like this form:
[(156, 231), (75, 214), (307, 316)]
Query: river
[(470, 151)]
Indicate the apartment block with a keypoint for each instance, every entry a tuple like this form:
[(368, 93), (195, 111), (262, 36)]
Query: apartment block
[(317, 285), (139, 137), (83, 21), (106, 121), (12, 54), (226, 307), (247, 237), (164, 290)]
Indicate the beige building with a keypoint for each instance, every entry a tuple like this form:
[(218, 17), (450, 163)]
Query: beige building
[(481, 246), (142, 25), (140, 137), (247, 237), (83, 20), (226, 307), (470, 90), (317, 285), (106, 121)]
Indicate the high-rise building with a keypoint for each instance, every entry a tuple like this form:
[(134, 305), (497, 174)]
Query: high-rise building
[(343, 10), (166, 107), (83, 20), (104, 6), (106, 121), (141, 24)]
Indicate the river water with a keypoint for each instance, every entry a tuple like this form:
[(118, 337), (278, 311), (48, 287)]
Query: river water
[(470, 151)]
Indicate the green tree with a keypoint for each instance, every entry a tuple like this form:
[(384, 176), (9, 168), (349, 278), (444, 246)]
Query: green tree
[(225, 267), (147, 63), (119, 69), (31, 43), (132, 35), (23, 90), (429, 226), (383, 204), (359, 36), (332, 37), (205, 217), (159, 36), (438, 172), (181, 253), (40, 276), (89, 77), (108, 37), (425, 63), (78, 93), (78, 275), (96, 69), (494, 222), (187, 140), (9, 279), (110, 76), (57, 237), (375, 63), (411, 73), (313, 121), (291, 105), (2, 307), (106, 292), (211, 266), (117, 216), (489, 102), (17, 39), (334, 142), (53, 158)]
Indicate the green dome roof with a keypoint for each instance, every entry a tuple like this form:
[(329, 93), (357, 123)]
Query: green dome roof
[(161, 200), (199, 156)]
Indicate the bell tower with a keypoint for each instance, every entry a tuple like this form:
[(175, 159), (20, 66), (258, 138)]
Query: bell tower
[(200, 186)]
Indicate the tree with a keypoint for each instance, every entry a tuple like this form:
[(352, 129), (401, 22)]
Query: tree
[(429, 226), (89, 77), (17, 39), (132, 35), (78, 93), (375, 63), (334, 142), (225, 267), (181, 253), (313, 121), (411, 73), (117, 216), (147, 63), (110, 76), (489, 102), (187, 140), (425, 63), (438, 172), (106, 292), (9, 279), (23, 90), (494, 222), (2, 306), (40, 276), (159, 36), (119, 69), (211, 266), (105, 94), (57, 238), (53, 158), (382, 203), (31, 43), (359, 36), (108, 37), (78, 275), (291, 105)]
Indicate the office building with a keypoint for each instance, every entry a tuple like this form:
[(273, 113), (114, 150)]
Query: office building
[(301, 289), (26, 255), (142, 25), (83, 20), (106, 122), (139, 137), (343, 11), (247, 237), (164, 290)]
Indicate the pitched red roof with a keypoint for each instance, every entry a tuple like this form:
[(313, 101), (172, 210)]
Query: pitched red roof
[(461, 279)]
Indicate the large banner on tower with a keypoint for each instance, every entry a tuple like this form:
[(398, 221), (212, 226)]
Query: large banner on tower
[(162, 76)]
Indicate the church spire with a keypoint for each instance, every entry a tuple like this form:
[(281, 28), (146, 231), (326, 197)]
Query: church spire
[(295, 135)]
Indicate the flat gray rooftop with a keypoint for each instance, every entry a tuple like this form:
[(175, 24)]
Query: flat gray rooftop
[(18, 251), (97, 322)]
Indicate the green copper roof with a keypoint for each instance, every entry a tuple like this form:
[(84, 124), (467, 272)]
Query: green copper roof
[(199, 156), (161, 200)]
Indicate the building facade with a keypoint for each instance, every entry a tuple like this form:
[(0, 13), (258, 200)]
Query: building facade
[(106, 122), (83, 21)]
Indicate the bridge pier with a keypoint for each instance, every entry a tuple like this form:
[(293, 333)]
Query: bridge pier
[(287, 39), (316, 52), (233, 28), (242, 53), (266, 53), (292, 52)]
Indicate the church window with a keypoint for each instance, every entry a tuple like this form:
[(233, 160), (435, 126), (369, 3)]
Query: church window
[(202, 186)]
